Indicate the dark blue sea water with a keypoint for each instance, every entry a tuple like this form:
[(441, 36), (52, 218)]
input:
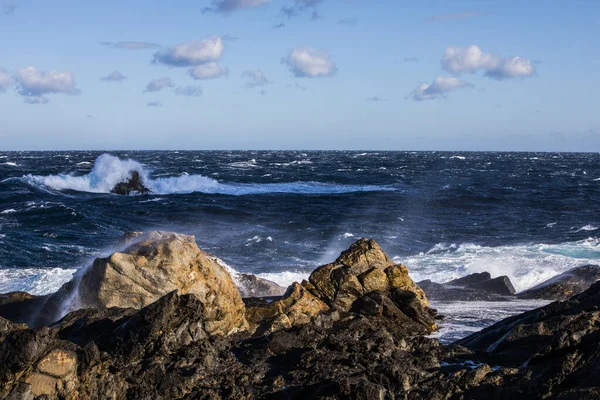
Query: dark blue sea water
[(281, 214)]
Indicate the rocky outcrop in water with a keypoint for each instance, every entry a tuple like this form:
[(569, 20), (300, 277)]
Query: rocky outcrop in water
[(565, 285), (133, 185), (474, 287)]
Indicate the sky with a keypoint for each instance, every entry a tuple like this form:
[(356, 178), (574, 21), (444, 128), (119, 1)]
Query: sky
[(300, 74)]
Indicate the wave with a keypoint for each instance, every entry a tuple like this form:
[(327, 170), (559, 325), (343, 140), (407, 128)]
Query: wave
[(35, 281), (525, 265), (109, 170)]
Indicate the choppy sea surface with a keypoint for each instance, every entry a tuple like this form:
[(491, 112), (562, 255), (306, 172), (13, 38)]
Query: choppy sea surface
[(280, 214)]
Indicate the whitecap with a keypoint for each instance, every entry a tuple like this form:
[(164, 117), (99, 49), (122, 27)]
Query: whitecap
[(33, 280), (347, 235), (10, 164), (9, 211), (458, 157)]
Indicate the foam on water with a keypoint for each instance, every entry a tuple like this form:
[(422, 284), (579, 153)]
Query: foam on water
[(525, 265), (33, 280), (109, 170)]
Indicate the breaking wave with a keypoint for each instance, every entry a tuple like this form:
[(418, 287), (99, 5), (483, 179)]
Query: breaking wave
[(109, 170)]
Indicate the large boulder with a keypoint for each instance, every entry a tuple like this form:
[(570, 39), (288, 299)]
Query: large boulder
[(473, 287), (565, 285), (362, 280), (361, 269)]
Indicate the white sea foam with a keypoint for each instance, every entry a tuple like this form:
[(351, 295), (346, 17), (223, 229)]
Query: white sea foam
[(109, 170), (525, 265), (458, 157), (587, 228), (10, 164), (33, 280), (9, 211)]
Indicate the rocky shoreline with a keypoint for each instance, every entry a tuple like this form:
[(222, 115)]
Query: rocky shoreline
[(162, 319)]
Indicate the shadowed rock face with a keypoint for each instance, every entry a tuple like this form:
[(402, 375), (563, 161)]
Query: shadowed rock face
[(474, 287), (133, 185), (565, 285)]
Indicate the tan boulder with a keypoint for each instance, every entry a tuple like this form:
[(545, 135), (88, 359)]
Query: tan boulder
[(41, 384), (162, 262), (58, 363), (372, 269)]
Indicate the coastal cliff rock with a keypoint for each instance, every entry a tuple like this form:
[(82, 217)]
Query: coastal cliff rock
[(565, 285), (133, 185), (473, 287), (253, 286)]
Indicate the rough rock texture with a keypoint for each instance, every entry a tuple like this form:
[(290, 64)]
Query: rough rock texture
[(133, 185), (474, 287), (253, 286), (363, 268), (565, 285)]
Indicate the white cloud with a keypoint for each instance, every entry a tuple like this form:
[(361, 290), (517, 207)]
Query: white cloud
[(211, 70), (159, 84), (227, 6), (34, 84), (440, 86), (309, 63), (5, 81), (131, 45), (192, 53), (257, 78), (189, 91), (114, 76), (472, 59), (456, 16)]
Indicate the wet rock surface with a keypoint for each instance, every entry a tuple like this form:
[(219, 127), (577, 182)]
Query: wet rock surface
[(354, 330), (474, 287), (565, 285), (133, 185)]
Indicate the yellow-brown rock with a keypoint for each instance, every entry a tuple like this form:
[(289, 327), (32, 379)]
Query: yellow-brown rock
[(58, 363), (162, 262), (398, 278)]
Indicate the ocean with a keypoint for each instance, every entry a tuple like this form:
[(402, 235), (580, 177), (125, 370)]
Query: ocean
[(280, 214)]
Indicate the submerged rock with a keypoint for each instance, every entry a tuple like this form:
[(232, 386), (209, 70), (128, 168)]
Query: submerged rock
[(473, 287), (565, 285), (133, 185)]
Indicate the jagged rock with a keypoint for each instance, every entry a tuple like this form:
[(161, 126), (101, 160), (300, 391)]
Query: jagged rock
[(473, 287), (366, 261), (565, 285), (133, 185), (253, 286)]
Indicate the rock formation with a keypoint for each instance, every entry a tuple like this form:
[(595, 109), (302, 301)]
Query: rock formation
[(133, 185), (565, 285), (474, 287)]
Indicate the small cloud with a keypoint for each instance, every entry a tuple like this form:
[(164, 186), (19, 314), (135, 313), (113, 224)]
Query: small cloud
[(192, 53), (5, 81), (114, 76), (411, 60), (211, 70), (34, 84), (257, 78), (439, 87), (159, 84), (375, 99), (348, 21), (189, 91), (229, 6), (315, 16), (154, 104), (263, 92), (278, 26), (131, 45), (307, 62), (472, 59), (9, 9), (456, 16), (298, 7), (229, 38)]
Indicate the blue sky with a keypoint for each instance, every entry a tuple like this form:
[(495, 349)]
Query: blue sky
[(341, 74)]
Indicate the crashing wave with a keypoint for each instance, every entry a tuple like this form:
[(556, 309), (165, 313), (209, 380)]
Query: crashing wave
[(108, 171)]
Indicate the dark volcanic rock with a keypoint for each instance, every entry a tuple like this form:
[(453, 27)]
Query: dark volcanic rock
[(474, 287), (133, 185), (565, 285)]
